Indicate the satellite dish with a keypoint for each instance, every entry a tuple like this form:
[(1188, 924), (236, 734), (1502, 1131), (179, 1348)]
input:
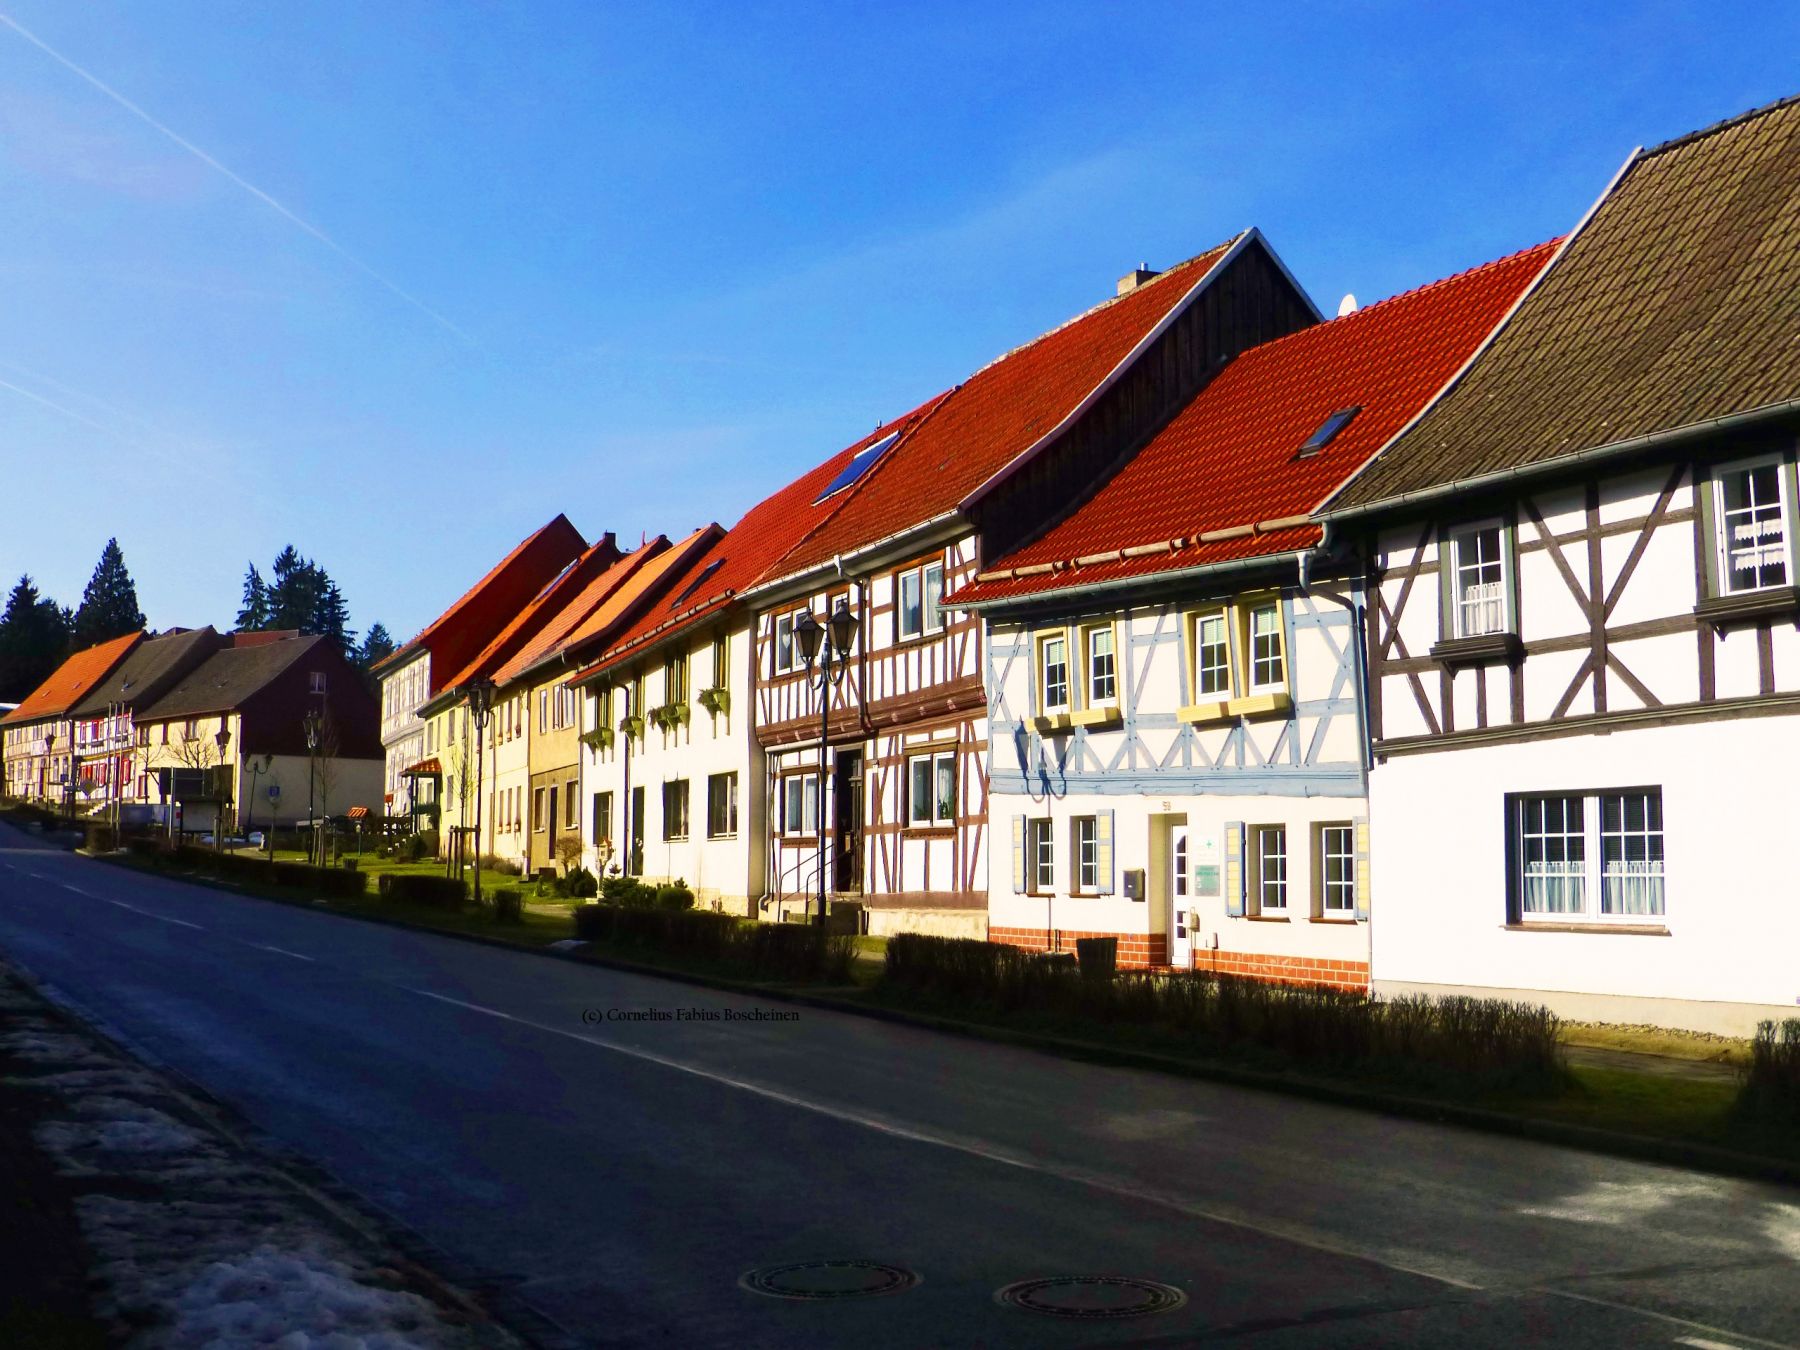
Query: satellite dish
[(1347, 305)]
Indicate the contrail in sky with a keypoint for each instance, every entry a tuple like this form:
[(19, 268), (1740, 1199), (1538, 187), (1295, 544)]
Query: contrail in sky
[(219, 168), (56, 407)]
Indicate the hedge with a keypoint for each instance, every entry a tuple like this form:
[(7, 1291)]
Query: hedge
[(795, 953), (1465, 1042), (1771, 1090), (437, 892)]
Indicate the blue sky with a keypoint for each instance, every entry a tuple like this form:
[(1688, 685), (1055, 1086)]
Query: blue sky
[(643, 264)]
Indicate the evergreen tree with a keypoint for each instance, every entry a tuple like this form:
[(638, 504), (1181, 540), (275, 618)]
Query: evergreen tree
[(294, 590), (34, 639), (331, 616), (109, 605), (376, 646), (253, 613)]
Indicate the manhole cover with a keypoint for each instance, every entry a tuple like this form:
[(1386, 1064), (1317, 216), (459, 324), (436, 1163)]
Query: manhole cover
[(1092, 1297), (828, 1280)]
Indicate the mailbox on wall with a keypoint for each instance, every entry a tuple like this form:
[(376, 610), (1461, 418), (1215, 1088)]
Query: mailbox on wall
[(1134, 883)]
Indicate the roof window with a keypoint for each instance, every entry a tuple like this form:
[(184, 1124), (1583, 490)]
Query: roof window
[(697, 582), (860, 463), (1327, 431)]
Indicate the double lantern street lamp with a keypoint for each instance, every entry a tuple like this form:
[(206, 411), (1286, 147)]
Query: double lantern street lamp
[(481, 706), (809, 631)]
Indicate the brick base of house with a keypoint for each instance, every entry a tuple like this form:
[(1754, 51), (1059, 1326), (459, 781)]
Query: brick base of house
[(1146, 951), (1137, 951), (1285, 969)]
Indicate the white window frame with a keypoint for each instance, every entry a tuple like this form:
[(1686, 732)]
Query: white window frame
[(1044, 643), (1040, 856), (1272, 874), (784, 633), (1335, 841), (678, 792), (1594, 878), (1222, 614), (1253, 610), (729, 781), (1721, 542), (1455, 542), (1084, 855), (1091, 697), (806, 785), (903, 581), (933, 762)]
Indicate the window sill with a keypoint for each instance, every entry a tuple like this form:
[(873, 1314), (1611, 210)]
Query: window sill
[(1260, 705), (714, 838), (1341, 923), (1774, 602), (1483, 649), (1268, 918), (929, 831), (1048, 723), (1629, 929), (1096, 717), (1203, 712)]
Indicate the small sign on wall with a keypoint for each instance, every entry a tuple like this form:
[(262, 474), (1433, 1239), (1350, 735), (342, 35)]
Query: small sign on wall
[(1207, 868)]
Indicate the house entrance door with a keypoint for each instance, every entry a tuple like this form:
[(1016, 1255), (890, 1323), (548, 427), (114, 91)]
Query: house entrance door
[(1181, 914), (550, 831), (847, 821), (634, 857)]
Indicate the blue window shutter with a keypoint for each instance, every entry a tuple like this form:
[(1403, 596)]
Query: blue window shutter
[(1018, 843), (1103, 851), (1361, 826), (1234, 868)]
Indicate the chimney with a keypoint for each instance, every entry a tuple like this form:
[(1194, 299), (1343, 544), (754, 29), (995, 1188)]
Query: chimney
[(1136, 277)]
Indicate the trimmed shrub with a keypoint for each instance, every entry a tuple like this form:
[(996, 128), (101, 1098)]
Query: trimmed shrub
[(509, 905), (101, 838), (579, 883), (789, 953), (676, 896), (628, 892), (1469, 1043), (435, 892), (1771, 1090)]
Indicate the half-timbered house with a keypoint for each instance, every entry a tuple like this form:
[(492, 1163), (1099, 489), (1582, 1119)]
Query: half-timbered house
[(1174, 672), (903, 789), (1583, 642)]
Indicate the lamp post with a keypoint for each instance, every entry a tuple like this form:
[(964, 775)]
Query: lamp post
[(481, 704), (44, 779), (311, 723), (223, 741), (809, 631), (258, 771)]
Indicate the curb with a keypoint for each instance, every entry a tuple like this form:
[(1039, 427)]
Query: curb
[(1589, 1138)]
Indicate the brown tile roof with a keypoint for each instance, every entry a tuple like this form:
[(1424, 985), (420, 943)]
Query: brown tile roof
[(1676, 303), (226, 679), (153, 666), (72, 680)]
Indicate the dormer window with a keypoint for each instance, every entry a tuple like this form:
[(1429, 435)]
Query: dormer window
[(1477, 563)]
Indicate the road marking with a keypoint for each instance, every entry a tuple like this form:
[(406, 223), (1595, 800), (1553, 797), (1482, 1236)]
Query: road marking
[(151, 914), (279, 951), (1738, 1340), (1700, 1343), (1091, 1180)]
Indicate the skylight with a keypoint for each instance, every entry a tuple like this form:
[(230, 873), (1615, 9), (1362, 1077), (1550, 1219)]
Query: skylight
[(1330, 428), (860, 463), (697, 582)]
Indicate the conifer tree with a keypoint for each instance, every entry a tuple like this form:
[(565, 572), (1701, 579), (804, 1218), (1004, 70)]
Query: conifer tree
[(253, 611), (34, 639), (109, 605), (376, 646)]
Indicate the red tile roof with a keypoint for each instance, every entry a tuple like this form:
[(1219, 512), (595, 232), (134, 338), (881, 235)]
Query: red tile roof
[(749, 550), (557, 630), (998, 414), (1226, 463), (625, 608), (528, 619), (484, 608), (72, 680)]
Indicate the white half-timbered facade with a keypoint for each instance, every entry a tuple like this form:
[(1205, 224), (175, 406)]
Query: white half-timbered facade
[(1584, 626)]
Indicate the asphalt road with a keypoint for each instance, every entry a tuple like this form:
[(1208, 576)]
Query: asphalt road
[(623, 1175)]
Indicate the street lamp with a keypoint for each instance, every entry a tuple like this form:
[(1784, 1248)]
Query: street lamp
[(223, 741), (312, 724), (810, 632), (481, 704), (259, 771), (44, 779)]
